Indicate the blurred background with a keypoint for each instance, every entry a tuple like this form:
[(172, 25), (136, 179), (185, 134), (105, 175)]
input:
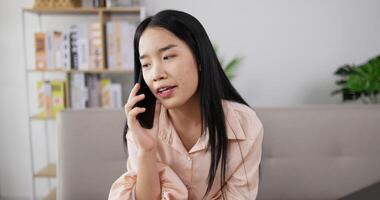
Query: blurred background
[(287, 52)]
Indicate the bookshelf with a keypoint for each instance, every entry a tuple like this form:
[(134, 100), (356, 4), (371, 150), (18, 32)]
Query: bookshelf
[(79, 10), (82, 71), (48, 171), (101, 15)]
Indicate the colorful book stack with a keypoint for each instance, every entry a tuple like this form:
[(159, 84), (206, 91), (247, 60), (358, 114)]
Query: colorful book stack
[(87, 46), (40, 51), (82, 48), (49, 50), (79, 48), (91, 91), (120, 45), (78, 91), (110, 94), (51, 97)]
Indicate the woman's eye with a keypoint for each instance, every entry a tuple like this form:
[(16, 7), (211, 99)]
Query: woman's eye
[(145, 65), (167, 57)]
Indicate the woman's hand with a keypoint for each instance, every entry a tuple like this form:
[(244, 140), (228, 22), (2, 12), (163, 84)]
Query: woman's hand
[(146, 139)]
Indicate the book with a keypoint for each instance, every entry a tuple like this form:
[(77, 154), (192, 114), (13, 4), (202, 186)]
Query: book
[(49, 49), (57, 42), (44, 104), (74, 47), (78, 92), (112, 45), (51, 97), (83, 53), (105, 91), (116, 95), (111, 96), (82, 46), (128, 31), (118, 3), (58, 96), (40, 50), (99, 3), (96, 46), (53, 42), (66, 51), (86, 43), (92, 83), (119, 36)]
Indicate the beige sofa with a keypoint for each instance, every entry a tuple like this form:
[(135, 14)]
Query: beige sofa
[(309, 152)]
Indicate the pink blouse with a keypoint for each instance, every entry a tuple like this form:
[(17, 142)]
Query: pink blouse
[(183, 174)]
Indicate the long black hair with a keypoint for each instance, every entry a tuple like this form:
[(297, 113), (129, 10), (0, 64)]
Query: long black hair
[(213, 85)]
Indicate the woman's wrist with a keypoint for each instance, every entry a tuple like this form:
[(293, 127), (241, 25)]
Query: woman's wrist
[(146, 152), (148, 183)]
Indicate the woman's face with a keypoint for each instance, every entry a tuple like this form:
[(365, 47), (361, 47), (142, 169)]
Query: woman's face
[(168, 66)]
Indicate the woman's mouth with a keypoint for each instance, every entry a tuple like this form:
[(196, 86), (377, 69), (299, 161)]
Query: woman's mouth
[(166, 92)]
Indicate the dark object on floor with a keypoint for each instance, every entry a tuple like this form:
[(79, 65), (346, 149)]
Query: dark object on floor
[(367, 193)]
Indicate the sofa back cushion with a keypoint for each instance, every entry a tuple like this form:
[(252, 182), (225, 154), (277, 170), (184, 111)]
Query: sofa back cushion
[(309, 152), (319, 152), (90, 153)]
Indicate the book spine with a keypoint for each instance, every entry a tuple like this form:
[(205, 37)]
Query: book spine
[(118, 45), (83, 47), (110, 3), (57, 50), (74, 46), (40, 50), (111, 46), (49, 50), (44, 99), (116, 95), (41, 101), (93, 90), (78, 92), (105, 90), (99, 3), (127, 47), (96, 47), (66, 54), (58, 96)]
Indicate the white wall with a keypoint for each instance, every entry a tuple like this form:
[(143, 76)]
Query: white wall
[(291, 49), (15, 170)]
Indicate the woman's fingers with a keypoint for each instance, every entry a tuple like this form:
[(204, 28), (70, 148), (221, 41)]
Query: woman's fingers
[(132, 102), (132, 115), (134, 91), (157, 113)]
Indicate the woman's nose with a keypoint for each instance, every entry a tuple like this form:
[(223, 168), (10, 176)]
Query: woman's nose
[(159, 73)]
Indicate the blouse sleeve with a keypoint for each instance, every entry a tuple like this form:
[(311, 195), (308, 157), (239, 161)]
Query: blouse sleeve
[(237, 186), (124, 187)]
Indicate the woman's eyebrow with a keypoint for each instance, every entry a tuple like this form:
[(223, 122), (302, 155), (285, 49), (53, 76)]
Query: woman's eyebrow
[(160, 50)]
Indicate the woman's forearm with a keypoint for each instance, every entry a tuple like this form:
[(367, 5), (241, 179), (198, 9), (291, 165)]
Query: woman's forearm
[(148, 184)]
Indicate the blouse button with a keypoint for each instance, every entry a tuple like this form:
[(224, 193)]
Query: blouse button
[(165, 195), (189, 158)]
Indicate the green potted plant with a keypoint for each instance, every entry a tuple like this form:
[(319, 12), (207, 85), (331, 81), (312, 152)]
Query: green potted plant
[(359, 82), (231, 65)]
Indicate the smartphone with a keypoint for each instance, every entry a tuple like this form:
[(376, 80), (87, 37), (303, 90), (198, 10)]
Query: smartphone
[(149, 102)]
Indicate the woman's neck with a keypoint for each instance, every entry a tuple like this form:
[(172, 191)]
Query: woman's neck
[(187, 120)]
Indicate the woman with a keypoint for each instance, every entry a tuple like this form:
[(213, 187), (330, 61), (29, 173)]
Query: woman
[(205, 141)]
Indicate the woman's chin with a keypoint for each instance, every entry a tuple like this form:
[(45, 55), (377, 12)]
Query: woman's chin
[(170, 103)]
